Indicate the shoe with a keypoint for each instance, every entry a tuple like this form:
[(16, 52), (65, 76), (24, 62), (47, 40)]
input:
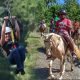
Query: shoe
[(22, 72), (16, 71), (74, 58)]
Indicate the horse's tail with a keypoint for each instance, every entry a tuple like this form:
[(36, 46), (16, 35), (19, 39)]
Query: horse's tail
[(77, 51)]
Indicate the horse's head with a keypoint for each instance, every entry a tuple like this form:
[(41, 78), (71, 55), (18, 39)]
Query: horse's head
[(51, 41), (48, 44)]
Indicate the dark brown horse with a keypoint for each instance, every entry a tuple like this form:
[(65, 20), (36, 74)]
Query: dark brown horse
[(76, 32), (42, 27)]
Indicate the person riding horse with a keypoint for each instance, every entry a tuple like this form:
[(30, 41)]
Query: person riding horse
[(42, 27), (64, 26), (76, 28)]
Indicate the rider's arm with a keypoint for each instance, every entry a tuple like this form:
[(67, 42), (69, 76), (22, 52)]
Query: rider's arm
[(3, 33), (17, 30), (69, 25)]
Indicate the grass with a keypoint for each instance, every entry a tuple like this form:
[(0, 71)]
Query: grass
[(6, 70)]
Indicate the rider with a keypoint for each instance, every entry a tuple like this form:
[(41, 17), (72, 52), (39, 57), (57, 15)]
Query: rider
[(64, 27), (52, 25), (76, 26), (53, 22), (15, 52)]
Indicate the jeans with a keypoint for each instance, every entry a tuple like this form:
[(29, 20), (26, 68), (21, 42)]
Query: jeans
[(68, 39), (17, 56)]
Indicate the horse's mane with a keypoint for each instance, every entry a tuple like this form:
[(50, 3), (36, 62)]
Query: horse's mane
[(53, 36)]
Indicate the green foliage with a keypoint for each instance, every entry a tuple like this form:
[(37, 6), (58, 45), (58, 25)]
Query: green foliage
[(51, 12), (73, 9)]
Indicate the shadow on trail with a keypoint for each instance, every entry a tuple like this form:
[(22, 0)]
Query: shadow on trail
[(42, 50), (41, 73), (77, 63)]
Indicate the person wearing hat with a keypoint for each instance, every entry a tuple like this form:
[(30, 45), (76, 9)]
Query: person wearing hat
[(15, 55), (63, 28)]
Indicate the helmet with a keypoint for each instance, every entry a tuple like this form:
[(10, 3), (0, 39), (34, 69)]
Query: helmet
[(8, 29), (62, 12)]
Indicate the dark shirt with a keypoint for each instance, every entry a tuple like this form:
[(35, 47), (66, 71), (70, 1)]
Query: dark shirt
[(9, 46)]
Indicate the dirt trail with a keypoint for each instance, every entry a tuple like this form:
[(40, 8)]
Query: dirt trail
[(41, 68)]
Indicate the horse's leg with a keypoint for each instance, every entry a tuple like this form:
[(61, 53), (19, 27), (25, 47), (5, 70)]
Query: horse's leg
[(41, 34), (78, 40), (71, 61), (62, 67), (50, 70)]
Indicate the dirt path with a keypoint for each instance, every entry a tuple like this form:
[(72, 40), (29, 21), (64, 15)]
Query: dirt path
[(41, 68)]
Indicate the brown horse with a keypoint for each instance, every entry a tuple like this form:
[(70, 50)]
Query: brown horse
[(76, 36), (76, 33), (55, 46), (42, 27)]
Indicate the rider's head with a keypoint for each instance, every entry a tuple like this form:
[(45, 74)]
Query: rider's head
[(52, 21), (7, 33), (62, 13)]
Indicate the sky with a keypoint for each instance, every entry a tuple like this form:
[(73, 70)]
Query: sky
[(62, 1)]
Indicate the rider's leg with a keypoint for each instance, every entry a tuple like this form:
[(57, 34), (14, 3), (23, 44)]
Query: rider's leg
[(71, 45)]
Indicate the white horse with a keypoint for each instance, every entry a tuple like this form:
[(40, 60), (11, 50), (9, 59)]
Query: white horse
[(55, 46)]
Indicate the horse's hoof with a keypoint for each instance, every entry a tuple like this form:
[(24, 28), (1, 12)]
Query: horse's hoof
[(51, 78), (60, 78)]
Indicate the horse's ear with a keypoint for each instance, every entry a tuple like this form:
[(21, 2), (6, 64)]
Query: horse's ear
[(47, 36), (50, 36)]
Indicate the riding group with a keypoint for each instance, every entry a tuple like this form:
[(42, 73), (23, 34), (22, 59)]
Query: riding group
[(60, 41)]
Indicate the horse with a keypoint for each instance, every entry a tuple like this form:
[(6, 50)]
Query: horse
[(42, 27), (55, 46), (76, 32), (76, 36)]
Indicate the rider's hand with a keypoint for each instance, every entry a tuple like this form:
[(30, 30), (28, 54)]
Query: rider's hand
[(13, 19)]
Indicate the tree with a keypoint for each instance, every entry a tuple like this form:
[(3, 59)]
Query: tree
[(72, 8)]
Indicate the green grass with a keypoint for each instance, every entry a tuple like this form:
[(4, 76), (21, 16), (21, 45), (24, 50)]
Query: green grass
[(7, 71)]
